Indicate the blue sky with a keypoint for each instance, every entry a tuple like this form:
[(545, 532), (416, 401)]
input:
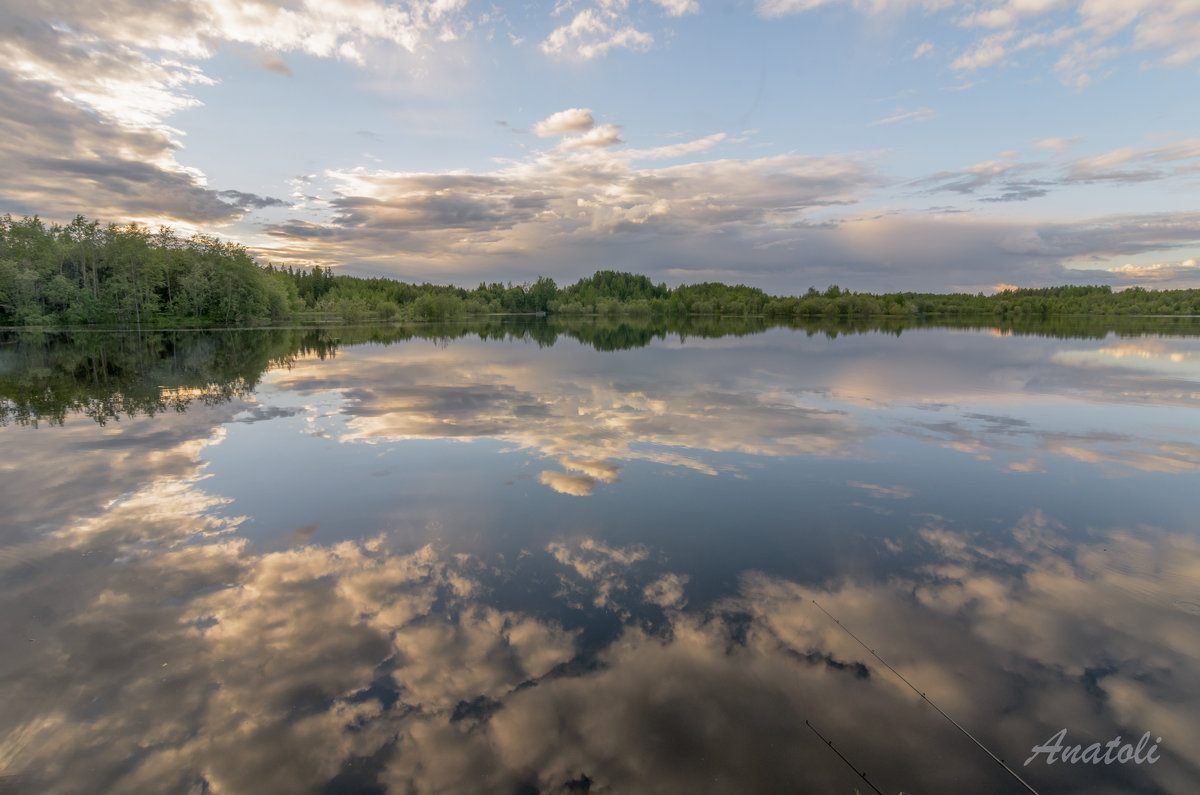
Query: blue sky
[(875, 144)]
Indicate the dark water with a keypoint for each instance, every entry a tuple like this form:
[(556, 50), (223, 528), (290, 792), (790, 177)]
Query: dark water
[(600, 558)]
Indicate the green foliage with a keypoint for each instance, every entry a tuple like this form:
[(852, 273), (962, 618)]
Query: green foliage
[(1043, 302), (85, 274)]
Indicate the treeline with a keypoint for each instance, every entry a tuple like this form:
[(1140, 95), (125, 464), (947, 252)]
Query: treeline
[(617, 294), (85, 274)]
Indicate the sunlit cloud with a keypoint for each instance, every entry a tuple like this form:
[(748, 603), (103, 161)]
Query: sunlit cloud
[(572, 120), (592, 32), (1159, 275), (582, 191), (604, 135), (97, 92), (132, 88), (59, 152)]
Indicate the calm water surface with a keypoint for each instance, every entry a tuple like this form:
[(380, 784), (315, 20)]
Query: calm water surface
[(604, 559)]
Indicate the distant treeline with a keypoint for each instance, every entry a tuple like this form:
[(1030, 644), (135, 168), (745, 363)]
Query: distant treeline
[(86, 274)]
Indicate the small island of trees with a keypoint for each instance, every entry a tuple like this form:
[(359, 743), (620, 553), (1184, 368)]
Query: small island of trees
[(85, 274)]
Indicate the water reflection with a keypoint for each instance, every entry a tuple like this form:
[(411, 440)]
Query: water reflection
[(212, 666), (489, 565)]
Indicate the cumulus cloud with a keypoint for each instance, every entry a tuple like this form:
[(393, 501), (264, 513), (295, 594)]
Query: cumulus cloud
[(567, 212), (56, 153), (572, 120), (104, 60), (604, 135), (97, 90), (580, 192)]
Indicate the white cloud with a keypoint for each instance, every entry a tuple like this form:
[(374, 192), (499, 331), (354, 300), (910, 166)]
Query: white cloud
[(676, 150), (606, 25), (1008, 13), (571, 120), (923, 49), (677, 8), (592, 33), (105, 61), (989, 51), (56, 152), (129, 68), (602, 136), (734, 219)]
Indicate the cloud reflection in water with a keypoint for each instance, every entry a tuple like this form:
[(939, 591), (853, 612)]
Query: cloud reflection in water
[(154, 646)]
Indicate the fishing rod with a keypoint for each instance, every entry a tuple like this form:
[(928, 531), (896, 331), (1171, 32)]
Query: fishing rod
[(956, 724), (861, 774)]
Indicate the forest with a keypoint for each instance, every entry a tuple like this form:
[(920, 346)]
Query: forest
[(86, 274)]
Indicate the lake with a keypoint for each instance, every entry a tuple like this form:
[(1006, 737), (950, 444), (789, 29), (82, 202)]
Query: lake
[(531, 557)]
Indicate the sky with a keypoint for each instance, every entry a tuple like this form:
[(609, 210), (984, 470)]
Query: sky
[(874, 144)]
